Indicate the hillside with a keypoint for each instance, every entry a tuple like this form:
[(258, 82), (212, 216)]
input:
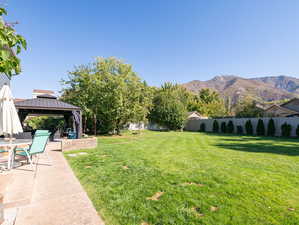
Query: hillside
[(262, 89)]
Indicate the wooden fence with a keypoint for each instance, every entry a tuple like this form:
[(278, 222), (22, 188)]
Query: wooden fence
[(194, 124)]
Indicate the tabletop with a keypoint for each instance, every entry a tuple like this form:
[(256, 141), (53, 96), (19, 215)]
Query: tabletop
[(15, 142)]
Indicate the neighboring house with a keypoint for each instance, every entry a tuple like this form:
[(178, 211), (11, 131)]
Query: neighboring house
[(38, 92), (195, 115), (288, 109)]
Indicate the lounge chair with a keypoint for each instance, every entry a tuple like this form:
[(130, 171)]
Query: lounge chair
[(37, 147)]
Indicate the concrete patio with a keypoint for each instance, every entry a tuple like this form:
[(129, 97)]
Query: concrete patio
[(51, 195)]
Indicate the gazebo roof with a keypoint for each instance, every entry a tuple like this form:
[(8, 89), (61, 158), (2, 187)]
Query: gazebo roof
[(46, 102)]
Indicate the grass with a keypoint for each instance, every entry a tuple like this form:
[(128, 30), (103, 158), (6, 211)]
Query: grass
[(204, 179)]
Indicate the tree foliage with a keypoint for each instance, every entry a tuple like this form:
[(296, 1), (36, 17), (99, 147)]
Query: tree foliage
[(271, 128), (11, 45), (208, 103), (247, 109), (109, 93), (169, 106), (260, 128)]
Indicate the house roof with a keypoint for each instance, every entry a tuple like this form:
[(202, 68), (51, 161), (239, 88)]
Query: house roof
[(289, 111), (45, 102), (193, 112), (43, 91), (294, 100)]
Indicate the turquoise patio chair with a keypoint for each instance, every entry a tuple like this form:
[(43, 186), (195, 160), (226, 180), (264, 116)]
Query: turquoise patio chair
[(37, 147)]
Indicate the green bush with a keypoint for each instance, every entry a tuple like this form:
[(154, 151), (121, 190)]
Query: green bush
[(260, 128), (297, 130), (230, 127), (248, 127), (223, 127), (271, 128), (202, 127), (239, 130), (286, 130), (215, 126)]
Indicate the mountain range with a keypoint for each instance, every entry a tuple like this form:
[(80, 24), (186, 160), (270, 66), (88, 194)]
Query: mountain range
[(262, 89)]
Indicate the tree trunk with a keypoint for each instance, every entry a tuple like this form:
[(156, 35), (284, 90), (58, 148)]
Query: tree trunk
[(95, 124), (84, 124)]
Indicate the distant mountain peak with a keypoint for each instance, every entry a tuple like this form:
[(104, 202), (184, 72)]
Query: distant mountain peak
[(267, 88)]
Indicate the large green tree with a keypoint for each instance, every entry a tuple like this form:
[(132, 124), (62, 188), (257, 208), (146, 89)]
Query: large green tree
[(208, 103), (11, 45), (169, 107), (110, 94)]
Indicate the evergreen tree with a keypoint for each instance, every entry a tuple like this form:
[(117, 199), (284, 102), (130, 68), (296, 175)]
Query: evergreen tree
[(215, 126), (260, 128), (248, 127), (271, 128)]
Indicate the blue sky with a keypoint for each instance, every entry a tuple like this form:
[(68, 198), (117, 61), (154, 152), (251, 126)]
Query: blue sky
[(164, 40)]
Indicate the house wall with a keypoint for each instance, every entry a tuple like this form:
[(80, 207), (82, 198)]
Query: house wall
[(194, 125)]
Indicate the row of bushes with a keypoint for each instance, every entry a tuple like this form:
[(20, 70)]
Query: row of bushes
[(260, 128)]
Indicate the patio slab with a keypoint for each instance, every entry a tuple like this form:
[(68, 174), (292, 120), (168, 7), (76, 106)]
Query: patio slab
[(51, 195)]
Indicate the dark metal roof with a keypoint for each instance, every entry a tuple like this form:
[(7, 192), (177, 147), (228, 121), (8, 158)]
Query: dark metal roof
[(45, 103)]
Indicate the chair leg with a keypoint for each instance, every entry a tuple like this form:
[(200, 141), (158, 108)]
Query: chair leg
[(30, 160)]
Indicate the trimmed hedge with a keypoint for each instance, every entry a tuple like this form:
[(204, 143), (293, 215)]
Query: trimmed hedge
[(297, 130), (223, 127), (286, 130), (248, 127), (271, 128), (202, 127), (215, 126), (239, 129), (260, 128), (230, 127)]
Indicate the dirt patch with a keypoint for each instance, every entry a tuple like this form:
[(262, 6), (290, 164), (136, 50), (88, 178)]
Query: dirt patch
[(156, 196), (291, 209), (125, 167)]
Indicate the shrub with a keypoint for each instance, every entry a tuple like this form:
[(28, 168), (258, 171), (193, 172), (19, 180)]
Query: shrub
[(230, 127), (260, 128), (297, 130), (271, 128), (286, 130), (202, 127), (223, 127), (239, 130), (248, 127), (215, 126)]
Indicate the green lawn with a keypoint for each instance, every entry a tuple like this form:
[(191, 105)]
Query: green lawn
[(205, 179)]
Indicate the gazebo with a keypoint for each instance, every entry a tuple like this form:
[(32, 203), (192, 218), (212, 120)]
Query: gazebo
[(50, 105)]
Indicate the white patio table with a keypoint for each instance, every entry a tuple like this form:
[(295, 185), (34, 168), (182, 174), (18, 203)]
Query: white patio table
[(11, 146)]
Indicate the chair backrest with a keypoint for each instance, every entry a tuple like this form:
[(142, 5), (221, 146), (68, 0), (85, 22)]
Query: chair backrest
[(39, 143), (41, 132)]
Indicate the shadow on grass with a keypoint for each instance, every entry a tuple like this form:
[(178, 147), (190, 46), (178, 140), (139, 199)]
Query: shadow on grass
[(273, 145)]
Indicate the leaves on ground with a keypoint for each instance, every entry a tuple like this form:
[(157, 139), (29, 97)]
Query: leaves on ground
[(125, 167), (156, 196), (197, 212), (192, 183), (214, 208)]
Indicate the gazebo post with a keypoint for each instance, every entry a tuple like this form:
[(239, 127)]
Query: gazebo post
[(80, 125)]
